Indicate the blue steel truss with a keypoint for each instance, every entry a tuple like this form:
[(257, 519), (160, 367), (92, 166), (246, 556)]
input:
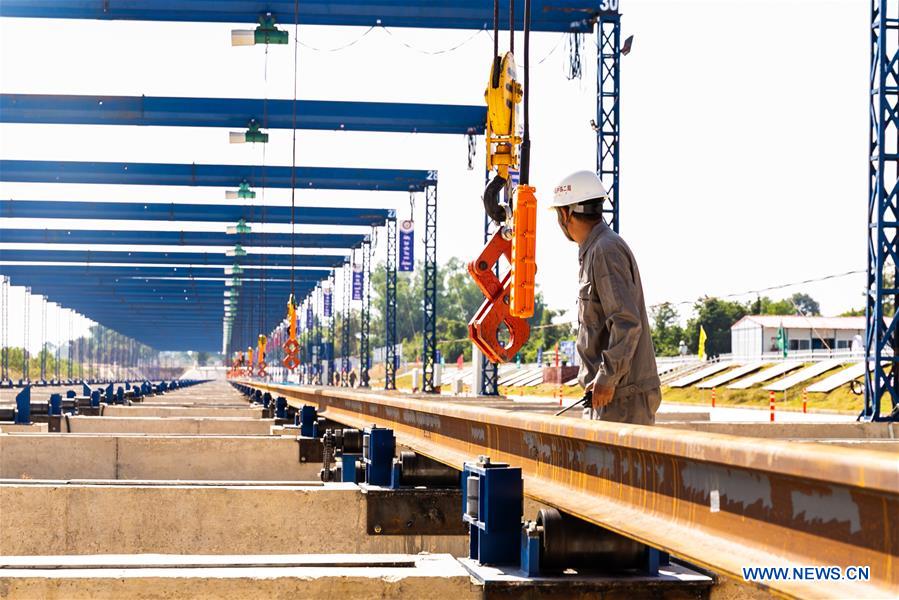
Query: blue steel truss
[(429, 301), (180, 238), (205, 213), (390, 308), (608, 104), (881, 337), (546, 15), (115, 173), (238, 112)]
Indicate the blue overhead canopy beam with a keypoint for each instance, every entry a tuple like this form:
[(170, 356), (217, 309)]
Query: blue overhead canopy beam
[(90, 273), (205, 213), (238, 112), (116, 173), (546, 15), (181, 238), (172, 258)]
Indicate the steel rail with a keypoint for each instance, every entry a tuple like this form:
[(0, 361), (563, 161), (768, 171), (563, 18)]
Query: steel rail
[(721, 502)]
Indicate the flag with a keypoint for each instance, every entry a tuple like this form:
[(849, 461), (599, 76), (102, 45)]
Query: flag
[(460, 361), (702, 339), (782, 339)]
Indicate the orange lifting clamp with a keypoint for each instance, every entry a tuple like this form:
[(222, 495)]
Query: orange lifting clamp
[(510, 301), (260, 354), (290, 346)]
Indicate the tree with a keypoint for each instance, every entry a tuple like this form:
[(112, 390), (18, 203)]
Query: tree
[(716, 316), (766, 306), (806, 304), (666, 332)]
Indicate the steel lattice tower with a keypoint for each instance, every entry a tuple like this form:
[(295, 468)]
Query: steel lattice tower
[(881, 340), (608, 88), (429, 331), (390, 307)]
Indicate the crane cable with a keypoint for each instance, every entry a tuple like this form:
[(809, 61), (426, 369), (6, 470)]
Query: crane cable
[(293, 163)]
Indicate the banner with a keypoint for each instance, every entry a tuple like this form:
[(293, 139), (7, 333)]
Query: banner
[(310, 320), (358, 281), (407, 245), (327, 302)]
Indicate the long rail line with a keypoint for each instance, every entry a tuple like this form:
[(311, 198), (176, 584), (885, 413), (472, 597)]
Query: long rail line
[(719, 501)]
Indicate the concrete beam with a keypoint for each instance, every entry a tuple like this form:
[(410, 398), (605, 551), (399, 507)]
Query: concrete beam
[(786, 431), (173, 425), (190, 577), (176, 457), (70, 518), (139, 410)]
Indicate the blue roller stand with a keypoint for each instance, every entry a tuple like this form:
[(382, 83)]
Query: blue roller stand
[(348, 467), (120, 395), (110, 394), (257, 396), (266, 400), (378, 448), (127, 386), (308, 416), (23, 406), (55, 405), (280, 407), (494, 503), (70, 394), (95, 398)]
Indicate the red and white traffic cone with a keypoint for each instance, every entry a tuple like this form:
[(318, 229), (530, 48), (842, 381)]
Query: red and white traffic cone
[(771, 405), (805, 400), (713, 397)]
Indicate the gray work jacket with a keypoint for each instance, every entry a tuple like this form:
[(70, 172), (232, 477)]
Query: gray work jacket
[(614, 338)]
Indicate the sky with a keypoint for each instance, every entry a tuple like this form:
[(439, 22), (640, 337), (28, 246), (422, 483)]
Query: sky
[(744, 130)]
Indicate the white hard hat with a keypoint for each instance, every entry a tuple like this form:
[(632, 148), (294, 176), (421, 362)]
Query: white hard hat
[(578, 187)]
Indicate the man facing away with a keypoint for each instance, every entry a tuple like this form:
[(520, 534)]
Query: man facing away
[(614, 341)]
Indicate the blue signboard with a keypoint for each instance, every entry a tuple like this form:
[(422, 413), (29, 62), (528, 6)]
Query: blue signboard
[(358, 280), (407, 245), (327, 302), (309, 318), (567, 348), (539, 356)]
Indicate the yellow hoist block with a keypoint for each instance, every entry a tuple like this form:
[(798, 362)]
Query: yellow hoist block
[(260, 353), (503, 95), (524, 252)]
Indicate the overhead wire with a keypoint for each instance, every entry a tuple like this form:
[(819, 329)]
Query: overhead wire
[(293, 162)]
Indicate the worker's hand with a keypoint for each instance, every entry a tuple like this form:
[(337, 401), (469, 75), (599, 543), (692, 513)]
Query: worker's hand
[(602, 394)]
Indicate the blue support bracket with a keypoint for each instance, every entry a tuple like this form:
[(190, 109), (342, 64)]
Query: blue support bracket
[(55, 405), (308, 418), (23, 406), (348, 464), (95, 398), (280, 407), (494, 503), (120, 395), (378, 448), (71, 394), (110, 394)]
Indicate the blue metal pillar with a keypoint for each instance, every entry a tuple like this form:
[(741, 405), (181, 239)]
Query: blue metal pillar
[(489, 370), (43, 352), (608, 87), (345, 328), (4, 324), (364, 349), (429, 331), (390, 307), (26, 375), (881, 340)]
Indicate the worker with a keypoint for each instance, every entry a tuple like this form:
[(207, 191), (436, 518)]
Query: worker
[(614, 342)]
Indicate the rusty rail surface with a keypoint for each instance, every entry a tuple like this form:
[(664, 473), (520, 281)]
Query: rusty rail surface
[(718, 501)]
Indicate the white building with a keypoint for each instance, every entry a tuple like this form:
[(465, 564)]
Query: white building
[(754, 335)]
